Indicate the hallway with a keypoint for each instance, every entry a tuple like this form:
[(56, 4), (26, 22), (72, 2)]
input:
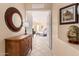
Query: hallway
[(40, 46)]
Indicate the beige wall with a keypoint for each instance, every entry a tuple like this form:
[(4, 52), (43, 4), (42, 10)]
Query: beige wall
[(4, 31), (60, 40), (60, 45)]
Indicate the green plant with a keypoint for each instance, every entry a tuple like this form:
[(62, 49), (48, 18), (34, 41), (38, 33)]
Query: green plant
[(73, 32)]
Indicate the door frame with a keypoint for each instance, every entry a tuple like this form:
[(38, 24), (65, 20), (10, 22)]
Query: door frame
[(50, 23)]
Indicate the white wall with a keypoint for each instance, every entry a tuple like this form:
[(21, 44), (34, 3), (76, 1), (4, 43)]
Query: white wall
[(60, 40), (4, 31)]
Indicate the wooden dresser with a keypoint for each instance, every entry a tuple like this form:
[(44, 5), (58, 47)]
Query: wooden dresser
[(18, 46)]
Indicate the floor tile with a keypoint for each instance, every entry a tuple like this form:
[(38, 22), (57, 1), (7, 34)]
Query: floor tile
[(40, 46)]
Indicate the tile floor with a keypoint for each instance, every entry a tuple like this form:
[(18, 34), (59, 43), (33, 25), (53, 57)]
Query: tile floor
[(40, 46)]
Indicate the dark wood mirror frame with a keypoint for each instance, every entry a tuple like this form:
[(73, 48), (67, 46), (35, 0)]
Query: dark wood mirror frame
[(8, 19)]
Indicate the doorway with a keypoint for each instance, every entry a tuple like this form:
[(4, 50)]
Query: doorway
[(41, 25)]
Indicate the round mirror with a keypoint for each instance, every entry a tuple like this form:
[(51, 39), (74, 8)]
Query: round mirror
[(16, 20), (13, 19)]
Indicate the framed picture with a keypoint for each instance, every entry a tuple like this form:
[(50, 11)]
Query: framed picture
[(68, 14)]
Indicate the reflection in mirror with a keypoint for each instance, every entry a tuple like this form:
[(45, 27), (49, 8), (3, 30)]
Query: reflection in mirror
[(16, 20)]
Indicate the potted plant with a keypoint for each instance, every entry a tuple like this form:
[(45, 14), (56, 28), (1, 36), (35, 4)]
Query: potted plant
[(73, 34)]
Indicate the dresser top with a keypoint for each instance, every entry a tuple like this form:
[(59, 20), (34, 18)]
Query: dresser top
[(18, 37)]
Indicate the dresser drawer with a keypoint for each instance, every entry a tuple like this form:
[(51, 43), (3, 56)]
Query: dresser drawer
[(17, 46)]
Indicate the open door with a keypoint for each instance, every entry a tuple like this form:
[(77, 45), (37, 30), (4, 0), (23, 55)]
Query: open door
[(41, 17)]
